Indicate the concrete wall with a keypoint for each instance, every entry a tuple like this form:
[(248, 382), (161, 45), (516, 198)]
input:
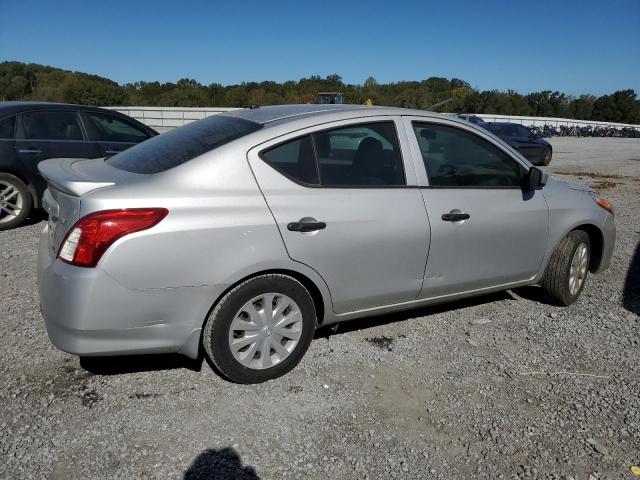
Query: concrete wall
[(166, 118)]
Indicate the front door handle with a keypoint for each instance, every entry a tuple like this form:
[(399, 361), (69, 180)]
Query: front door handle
[(455, 217), (29, 151), (306, 226), (112, 152)]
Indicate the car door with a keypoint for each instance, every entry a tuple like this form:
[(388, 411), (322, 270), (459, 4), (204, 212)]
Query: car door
[(7, 143), (485, 230), (112, 133), (44, 134), (347, 206)]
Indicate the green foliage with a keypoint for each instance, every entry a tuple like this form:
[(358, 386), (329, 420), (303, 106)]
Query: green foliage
[(20, 81), (620, 105)]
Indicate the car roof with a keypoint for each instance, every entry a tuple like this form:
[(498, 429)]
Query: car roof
[(284, 114), (273, 113), (10, 108)]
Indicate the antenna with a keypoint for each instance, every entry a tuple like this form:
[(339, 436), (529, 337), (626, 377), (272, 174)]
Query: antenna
[(436, 105)]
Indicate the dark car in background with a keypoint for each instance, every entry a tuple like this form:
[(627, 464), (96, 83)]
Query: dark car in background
[(469, 117), (534, 148), (34, 131)]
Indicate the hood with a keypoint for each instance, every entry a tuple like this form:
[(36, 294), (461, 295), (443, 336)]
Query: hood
[(572, 186)]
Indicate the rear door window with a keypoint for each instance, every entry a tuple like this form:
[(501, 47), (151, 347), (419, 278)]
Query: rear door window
[(113, 129), (523, 132), (364, 155), (295, 160), (52, 125), (7, 128), (178, 146), (499, 130)]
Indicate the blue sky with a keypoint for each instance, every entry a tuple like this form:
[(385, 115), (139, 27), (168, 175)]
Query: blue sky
[(572, 46)]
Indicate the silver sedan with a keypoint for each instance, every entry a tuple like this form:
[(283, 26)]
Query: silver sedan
[(246, 231)]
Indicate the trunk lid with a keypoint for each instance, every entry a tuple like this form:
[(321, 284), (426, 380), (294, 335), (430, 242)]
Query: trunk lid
[(68, 180), (76, 177)]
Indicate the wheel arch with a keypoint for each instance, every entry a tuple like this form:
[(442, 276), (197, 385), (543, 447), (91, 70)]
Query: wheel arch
[(596, 239), (192, 347), (596, 254), (35, 201), (321, 303)]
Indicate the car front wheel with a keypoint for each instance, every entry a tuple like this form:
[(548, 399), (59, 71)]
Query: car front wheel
[(15, 201), (260, 329), (568, 268)]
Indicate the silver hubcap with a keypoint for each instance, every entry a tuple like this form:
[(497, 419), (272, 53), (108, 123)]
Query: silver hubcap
[(265, 331), (578, 270), (10, 202)]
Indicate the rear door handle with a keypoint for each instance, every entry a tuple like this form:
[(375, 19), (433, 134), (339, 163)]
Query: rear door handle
[(306, 226), (29, 151), (455, 217)]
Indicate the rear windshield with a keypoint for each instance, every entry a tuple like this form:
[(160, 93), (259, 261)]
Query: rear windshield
[(178, 146), (497, 129)]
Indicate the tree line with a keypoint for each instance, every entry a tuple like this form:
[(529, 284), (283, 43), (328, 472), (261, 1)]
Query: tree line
[(21, 81)]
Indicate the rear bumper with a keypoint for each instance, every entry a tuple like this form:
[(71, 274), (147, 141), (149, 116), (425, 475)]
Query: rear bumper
[(609, 241), (88, 313)]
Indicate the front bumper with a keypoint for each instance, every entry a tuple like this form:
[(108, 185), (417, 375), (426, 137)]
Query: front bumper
[(89, 313)]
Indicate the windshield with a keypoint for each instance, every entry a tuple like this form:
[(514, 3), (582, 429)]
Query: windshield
[(178, 146)]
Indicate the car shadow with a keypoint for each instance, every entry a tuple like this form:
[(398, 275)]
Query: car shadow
[(533, 293), (36, 215), (379, 320), (631, 291), (222, 464), (120, 365)]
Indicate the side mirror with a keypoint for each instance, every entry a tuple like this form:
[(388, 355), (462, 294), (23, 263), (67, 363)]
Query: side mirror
[(534, 179)]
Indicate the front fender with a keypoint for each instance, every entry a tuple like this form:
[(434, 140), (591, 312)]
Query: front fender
[(570, 209)]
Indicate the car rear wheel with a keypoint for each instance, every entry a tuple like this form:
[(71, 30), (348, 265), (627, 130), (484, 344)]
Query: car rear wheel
[(568, 268), (260, 329), (15, 201), (546, 156)]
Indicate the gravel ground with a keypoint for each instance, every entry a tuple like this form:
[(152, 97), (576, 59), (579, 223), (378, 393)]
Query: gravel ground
[(503, 386)]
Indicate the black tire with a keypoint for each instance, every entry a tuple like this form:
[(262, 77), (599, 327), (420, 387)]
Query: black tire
[(546, 156), (555, 281), (215, 337), (7, 180)]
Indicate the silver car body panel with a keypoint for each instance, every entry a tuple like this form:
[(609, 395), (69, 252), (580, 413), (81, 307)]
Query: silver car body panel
[(71, 176), (384, 249), (486, 250), (369, 230), (570, 208)]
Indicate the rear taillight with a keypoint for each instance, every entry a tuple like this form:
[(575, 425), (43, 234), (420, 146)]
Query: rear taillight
[(92, 235)]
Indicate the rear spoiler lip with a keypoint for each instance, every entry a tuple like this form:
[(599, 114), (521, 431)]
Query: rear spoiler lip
[(58, 173)]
